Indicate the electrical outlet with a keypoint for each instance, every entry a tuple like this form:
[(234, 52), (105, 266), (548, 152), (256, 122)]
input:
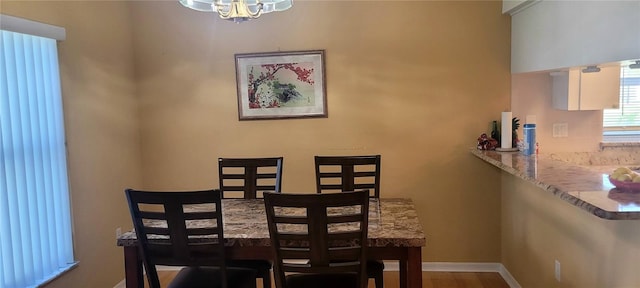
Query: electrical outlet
[(560, 129), (118, 232), (558, 271)]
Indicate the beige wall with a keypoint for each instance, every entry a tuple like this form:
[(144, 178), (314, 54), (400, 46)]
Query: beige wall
[(539, 228), (416, 83), (101, 125), (531, 95)]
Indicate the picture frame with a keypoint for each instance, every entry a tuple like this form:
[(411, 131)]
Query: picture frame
[(281, 85)]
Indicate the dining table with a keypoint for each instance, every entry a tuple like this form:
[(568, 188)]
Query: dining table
[(394, 234)]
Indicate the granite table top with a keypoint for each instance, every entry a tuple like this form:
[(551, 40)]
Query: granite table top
[(393, 222), (585, 186)]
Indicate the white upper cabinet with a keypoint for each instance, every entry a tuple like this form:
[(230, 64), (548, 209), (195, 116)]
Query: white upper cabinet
[(549, 35), (577, 90)]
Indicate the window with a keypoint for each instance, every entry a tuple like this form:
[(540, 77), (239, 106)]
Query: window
[(35, 218), (623, 124)]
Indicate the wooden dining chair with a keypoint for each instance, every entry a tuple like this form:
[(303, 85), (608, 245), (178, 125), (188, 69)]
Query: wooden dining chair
[(349, 173), (168, 233), (319, 240), (248, 178)]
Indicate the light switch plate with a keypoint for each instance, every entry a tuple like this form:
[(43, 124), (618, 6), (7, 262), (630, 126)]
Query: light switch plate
[(560, 130)]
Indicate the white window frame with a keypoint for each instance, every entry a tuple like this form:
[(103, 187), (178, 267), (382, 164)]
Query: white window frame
[(629, 91)]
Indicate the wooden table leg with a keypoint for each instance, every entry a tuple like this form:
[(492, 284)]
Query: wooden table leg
[(414, 267), (403, 272), (133, 267)]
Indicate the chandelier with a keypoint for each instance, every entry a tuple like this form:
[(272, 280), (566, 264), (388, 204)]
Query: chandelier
[(238, 10)]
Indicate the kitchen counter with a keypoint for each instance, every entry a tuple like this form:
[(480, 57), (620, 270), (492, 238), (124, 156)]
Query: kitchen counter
[(584, 186)]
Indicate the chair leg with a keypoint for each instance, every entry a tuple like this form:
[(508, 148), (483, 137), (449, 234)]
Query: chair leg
[(266, 279), (379, 281)]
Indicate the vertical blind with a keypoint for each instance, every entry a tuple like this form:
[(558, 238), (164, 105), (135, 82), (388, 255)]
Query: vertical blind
[(35, 222), (627, 117)]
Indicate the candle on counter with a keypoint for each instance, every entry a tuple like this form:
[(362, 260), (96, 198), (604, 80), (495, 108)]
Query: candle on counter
[(506, 131)]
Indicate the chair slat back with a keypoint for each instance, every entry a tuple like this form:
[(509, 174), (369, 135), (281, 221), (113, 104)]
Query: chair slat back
[(247, 177), (170, 232), (328, 232), (348, 173)]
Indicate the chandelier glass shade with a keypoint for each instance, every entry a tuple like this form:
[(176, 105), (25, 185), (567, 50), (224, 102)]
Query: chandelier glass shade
[(238, 10)]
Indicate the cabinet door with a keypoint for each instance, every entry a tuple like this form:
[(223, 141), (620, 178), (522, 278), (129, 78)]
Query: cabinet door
[(600, 90), (566, 89)]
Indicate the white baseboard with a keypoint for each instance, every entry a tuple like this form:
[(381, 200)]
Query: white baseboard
[(462, 267), (426, 266), (508, 277)]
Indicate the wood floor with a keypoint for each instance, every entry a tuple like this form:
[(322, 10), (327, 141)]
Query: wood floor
[(429, 280)]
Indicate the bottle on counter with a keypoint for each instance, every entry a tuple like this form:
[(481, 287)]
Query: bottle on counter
[(529, 132), (495, 133)]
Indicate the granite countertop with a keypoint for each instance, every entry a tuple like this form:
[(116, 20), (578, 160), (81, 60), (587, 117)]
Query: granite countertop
[(585, 186), (393, 222)]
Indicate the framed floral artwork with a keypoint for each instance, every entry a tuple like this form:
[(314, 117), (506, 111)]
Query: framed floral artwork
[(279, 85)]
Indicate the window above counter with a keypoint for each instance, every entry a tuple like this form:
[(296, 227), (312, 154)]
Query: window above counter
[(623, 124)]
